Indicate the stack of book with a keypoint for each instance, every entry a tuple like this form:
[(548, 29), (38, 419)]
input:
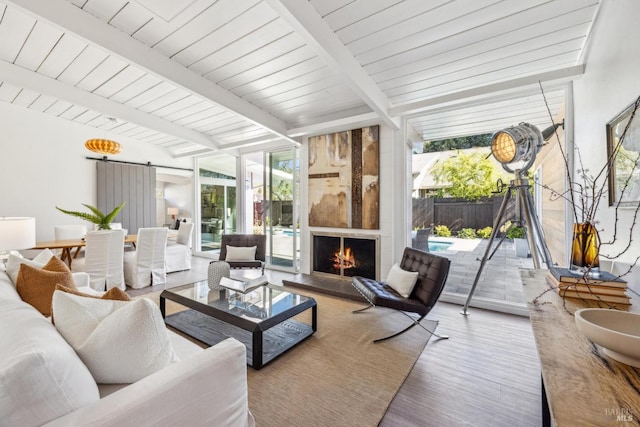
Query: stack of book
[(606, 287), (244, 285)]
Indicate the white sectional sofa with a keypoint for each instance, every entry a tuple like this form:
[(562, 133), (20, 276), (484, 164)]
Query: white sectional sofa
[(44, 382)]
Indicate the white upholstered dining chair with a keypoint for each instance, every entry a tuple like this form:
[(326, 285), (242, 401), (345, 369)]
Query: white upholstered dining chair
[(103, 259), (146, 265), (179, 253), (69, 232)]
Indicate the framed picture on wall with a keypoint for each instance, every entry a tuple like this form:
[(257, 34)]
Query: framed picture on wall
[(624, 173)]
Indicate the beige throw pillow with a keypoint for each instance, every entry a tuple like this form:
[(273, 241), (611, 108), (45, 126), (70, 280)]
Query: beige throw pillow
[(241, 253), (36, 286)]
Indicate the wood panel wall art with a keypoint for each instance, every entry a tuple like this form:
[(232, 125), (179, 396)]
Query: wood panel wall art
[(344, 179)]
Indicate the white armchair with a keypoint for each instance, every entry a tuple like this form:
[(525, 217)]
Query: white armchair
[(103, 259), (146, 265), (179, 253)]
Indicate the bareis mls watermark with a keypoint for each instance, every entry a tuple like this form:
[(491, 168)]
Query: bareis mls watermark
[(620, 414)]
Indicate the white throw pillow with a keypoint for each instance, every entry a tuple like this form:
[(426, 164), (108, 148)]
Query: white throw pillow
[(241, 253), (121, 342), (402, 281), (14, 261)]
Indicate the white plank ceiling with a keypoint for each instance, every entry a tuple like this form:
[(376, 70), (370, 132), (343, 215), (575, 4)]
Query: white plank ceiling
[(222, 74)]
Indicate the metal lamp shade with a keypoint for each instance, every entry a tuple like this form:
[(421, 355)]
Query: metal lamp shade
[(517, 144), (503, 147)]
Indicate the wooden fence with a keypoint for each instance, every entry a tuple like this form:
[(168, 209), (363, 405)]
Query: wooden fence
[(458, 213)]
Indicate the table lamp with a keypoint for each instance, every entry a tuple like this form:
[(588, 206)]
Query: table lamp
[(16, 233), (173, 212)]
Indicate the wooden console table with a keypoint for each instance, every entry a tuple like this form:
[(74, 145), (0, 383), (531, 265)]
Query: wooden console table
[(581, 386)]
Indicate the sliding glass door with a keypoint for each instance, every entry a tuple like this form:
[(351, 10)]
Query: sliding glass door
[(268, 204), (280, 208), (217, 197)]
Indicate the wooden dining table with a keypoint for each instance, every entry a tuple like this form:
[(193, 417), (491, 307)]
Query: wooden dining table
[(69, 244)]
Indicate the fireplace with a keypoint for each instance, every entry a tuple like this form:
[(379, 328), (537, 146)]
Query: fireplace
[(345, 255)]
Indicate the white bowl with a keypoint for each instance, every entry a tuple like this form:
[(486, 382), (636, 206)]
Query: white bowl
[(618, 332)]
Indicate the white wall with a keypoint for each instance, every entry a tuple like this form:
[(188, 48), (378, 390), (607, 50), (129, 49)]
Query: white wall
[(180, 196), (610, 83), (43, 165)]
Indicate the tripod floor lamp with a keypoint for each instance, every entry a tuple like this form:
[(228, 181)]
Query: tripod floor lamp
[(516, 149)]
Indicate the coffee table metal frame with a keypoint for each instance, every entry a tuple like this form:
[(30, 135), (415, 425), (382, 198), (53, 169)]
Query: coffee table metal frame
[(256, 328)]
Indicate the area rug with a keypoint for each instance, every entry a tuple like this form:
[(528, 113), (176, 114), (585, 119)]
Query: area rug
[(338, 376)]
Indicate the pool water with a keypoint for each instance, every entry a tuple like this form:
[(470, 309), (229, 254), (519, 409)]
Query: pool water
[(435, 246)]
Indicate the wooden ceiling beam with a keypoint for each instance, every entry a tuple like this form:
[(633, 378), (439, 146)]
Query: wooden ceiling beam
[(40, 83), (70, 18), (553, 78), (305, 20)]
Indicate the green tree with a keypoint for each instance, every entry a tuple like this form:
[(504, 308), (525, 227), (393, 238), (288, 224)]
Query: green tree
[(471, 176), (457, 143)]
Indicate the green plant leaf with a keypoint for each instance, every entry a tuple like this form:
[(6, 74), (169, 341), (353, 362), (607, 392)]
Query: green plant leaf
[(95, 210), (84, 215), (111, 216), (97, 217)]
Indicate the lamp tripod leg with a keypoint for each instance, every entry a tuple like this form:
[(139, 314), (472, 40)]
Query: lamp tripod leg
[(497, 246), (485, 257), (528, 222), (535, 222)]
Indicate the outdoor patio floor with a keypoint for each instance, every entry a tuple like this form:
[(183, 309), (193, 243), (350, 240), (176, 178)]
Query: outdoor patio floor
[(500, 279)]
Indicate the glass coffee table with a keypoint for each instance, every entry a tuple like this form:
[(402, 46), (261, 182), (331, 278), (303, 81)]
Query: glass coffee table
[(260, 319)]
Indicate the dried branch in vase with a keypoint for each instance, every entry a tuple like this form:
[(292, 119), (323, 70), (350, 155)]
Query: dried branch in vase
[(585, 193)]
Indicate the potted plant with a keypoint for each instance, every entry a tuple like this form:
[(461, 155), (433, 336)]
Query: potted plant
[(518, 235), (101, 220)]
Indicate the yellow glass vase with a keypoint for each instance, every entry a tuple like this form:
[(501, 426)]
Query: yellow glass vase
[(584, 249)]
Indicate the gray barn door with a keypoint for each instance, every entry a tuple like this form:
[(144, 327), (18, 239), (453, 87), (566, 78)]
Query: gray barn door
[(134, 184)]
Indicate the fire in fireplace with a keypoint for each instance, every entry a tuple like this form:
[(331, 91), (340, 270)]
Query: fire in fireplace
[(345, 256), (346, 260)]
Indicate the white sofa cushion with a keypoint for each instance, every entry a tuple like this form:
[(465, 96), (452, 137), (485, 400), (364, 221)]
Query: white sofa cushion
[(183, 347), (41, 377), (8, 290), (207, 389), (14, 261), (119, 341)]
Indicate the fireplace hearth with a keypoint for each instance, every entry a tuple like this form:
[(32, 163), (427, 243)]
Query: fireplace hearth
[(345, 255)]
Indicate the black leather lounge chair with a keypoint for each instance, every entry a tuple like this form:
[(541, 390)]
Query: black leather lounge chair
[(432, 275)]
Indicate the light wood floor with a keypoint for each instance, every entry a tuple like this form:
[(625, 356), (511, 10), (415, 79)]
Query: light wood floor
[(486, 374)]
